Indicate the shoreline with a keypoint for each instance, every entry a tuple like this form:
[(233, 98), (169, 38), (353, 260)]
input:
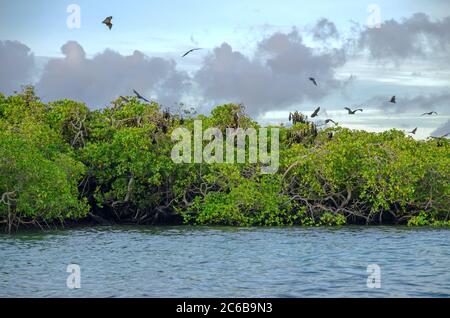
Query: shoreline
[(93, 225)]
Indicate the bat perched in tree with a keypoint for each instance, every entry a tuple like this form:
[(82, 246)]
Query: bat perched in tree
[(140, 96)]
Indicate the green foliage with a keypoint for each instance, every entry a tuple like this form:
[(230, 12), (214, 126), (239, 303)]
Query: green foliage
[(42, 184), (69, 120), (331, 219), (367, 176), (229, 116), (242, 201), (61, 161), (426, 219)]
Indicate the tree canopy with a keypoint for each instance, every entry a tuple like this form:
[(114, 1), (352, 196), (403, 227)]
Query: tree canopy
[(61, 161)]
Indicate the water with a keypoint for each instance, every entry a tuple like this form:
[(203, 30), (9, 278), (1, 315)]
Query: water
[(226, 262)]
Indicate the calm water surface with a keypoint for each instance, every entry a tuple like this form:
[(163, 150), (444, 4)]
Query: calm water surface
[(226, 262)]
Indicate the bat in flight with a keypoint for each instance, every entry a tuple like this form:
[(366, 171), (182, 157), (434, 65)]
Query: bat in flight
[(108, 22), (190, 51)]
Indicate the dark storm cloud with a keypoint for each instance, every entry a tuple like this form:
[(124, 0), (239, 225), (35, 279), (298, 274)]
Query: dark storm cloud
[(324, 30), (412, 37), (276, 76), (16, 66), (107, 75), (442, 130), (420, 103)]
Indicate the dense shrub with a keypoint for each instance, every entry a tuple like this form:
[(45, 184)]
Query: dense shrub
[(62, 161)]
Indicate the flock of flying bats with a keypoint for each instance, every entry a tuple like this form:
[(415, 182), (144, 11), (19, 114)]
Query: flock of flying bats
[(108, 23), (393, 100)]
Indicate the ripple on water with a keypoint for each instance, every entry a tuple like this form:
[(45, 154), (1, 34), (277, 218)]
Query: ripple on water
[(226, 262)]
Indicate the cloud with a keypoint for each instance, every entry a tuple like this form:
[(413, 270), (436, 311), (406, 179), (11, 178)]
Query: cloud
[(16, 66), (431, 102), (276, 76), (416, 36), (273, 77), (98, 80), (324, 30), (442, 130)]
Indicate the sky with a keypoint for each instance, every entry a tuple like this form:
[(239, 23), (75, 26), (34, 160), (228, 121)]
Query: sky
[(256, 52)]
